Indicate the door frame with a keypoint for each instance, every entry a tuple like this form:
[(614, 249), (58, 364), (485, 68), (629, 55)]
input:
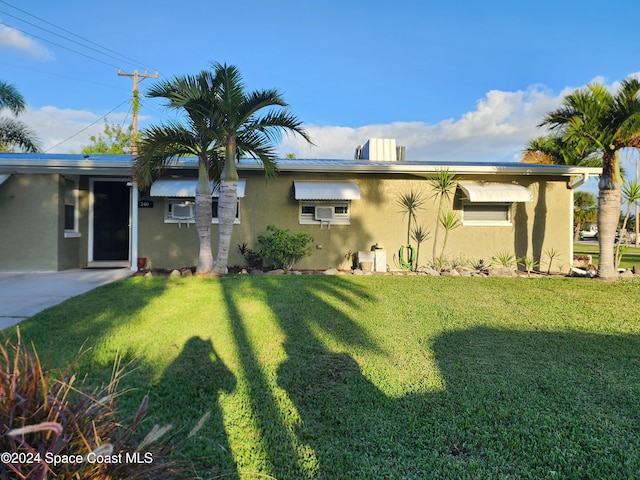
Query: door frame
[(107, 263)]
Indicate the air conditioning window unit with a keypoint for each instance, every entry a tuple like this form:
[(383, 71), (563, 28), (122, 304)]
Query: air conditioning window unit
[(182, 211), (324, 214)]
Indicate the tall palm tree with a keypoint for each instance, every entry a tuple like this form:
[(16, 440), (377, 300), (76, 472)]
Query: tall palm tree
[(14, 133), (595, 117), (159, 146), (245, 130), (222, 124)]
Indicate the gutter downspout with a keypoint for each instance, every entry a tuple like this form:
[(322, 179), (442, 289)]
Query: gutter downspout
[(579, 182)]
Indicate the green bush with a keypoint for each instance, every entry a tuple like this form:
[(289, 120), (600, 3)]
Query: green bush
[(284, 249)]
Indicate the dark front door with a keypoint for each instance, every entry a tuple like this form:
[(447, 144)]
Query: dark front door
[(110, 221)]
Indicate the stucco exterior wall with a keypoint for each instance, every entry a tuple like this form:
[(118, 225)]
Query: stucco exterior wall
[(537, 227), (30, 223)]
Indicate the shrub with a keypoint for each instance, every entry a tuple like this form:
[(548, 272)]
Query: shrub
[(254, 259), (44, 416), (284, 249)]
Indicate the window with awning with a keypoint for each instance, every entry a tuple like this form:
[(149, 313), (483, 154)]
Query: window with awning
[(490, 192), (179, 202), (489, 203), (325, 202)]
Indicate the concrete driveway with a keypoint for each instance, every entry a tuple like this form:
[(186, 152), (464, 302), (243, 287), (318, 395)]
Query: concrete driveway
[(22, 295)]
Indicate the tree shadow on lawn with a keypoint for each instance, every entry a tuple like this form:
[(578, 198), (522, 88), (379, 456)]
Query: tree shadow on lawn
[(284, 456), (88, 319), (190, 389), (516, 404)]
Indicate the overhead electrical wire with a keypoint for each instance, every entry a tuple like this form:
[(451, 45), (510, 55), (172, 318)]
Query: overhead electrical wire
[(110, 54), (87, 127)]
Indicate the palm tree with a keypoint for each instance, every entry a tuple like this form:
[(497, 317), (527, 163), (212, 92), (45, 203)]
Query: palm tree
[(243, 130), (159, 146), (14, 133), (595, 117), (584, 211), (554, 150), (444, 185), (221, 124)]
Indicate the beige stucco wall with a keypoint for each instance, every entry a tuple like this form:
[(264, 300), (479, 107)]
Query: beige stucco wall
[(538, 226), (29, 216)]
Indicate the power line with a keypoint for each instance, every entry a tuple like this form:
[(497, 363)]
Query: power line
[(87, 127), (129, 59), (61, 46), (58, 35)]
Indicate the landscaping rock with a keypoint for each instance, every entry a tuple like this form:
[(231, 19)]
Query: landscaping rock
[(257, 272), (277, 271), (331, 271), (148, 274), (175, 273), (452, 273), (502, 272), (432, 272), (357, 271), (187, 272), (626, 274)]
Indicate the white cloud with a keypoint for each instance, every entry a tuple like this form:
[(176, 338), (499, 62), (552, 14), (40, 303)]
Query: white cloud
[(14, 39), (496, 130), (66, 130)]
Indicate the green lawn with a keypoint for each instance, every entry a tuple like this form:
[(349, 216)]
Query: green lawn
[(630, 255), (346, 377)]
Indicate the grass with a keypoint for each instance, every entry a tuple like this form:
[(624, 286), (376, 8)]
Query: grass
[(372, 377), (630, 255)]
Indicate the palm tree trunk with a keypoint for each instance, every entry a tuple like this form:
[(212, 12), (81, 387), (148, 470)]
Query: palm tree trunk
[(227, 206), (608, 215), (203, 219), (435, 235)]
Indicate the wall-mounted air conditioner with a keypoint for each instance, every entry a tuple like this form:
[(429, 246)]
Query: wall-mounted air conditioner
[(182, 211), (324, 214)]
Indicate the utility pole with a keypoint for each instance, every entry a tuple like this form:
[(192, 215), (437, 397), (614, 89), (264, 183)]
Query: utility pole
[(137, 77)]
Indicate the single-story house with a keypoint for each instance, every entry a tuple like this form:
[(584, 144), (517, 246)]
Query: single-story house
[(63, 211)]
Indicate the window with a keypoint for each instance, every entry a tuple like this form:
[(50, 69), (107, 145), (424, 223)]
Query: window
[(333, 212), (487, 214), (183, 210), (71, 208)]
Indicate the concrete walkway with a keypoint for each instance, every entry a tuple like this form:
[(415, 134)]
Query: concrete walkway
[(22, 295)]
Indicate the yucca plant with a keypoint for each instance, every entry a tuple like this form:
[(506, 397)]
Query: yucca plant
[(409, 202), (504, 259), (630, 194), (529, 264), (52, 425), (449, 221), (444, 185), (419, 234), (552, 254)]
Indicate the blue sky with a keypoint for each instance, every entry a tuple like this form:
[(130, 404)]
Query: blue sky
[(451, 80)]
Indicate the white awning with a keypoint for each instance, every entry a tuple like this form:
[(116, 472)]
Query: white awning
[(320, 190), (3, 177), (494, 192), (185, 188)]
